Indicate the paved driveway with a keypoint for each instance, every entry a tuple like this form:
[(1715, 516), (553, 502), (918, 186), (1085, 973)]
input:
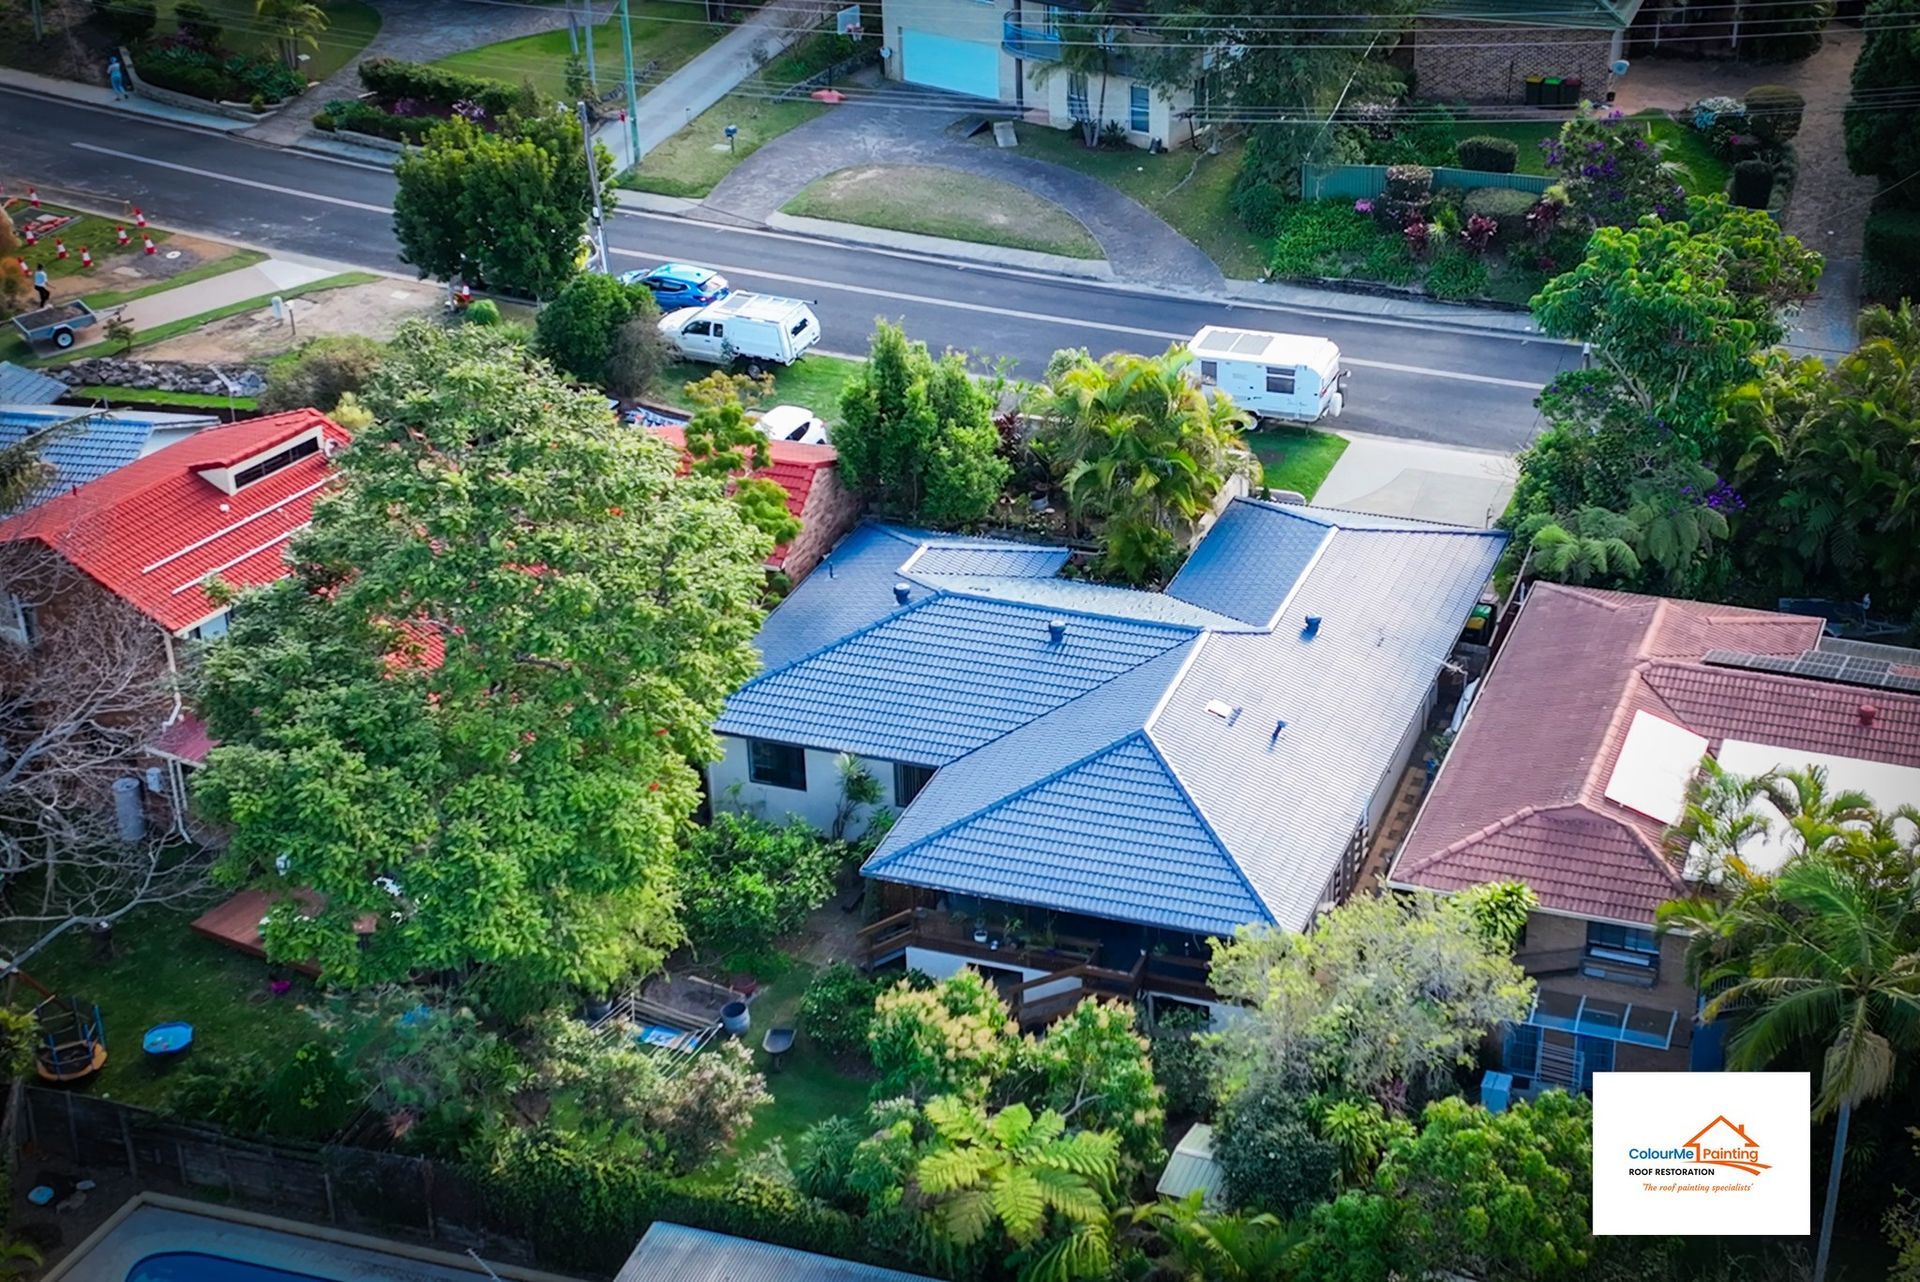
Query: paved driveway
[(898, 125)]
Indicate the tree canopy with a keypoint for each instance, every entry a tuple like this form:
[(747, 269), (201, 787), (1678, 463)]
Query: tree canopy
[(577, 329), (473, 712)]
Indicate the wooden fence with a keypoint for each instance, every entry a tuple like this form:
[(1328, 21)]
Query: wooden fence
[(1366, 182)]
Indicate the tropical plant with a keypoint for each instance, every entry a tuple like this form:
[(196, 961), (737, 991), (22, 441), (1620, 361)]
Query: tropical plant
[(1499, 911), (1591, 543), (953, 1039), (292, 24), (1202, 1245), (1823, 956), (1047, 1189), (858, 789), (1361, 1132)]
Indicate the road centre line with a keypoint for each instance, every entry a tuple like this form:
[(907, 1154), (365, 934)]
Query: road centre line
[(1005, 313)]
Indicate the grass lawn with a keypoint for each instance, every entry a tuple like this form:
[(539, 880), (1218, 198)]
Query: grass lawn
[(162, 971), (351, 24), (696, 158), (156, 396), (814, 381), (945, 202), (87, 230), (1295, 458), (666, 34), (1189, 189)]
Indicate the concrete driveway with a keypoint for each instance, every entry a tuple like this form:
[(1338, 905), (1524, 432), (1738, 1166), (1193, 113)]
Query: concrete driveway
[(1389, 476)]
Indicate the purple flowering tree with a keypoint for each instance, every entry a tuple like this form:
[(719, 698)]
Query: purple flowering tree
[(1614, 173)]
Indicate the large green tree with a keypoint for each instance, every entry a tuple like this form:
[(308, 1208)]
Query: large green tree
[(916, 435), (576, 330), (1880, 136), (472, 714), (502, 209), (1096, 1070), (1828, 463)]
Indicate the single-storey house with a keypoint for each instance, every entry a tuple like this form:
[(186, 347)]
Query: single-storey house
[(1093, 781), (1485, 50), (1573, 762)]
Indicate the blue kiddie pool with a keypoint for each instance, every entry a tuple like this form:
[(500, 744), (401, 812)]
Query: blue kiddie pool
[(167, 1039)]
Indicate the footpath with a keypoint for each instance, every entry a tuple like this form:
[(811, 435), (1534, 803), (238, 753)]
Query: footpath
[(212, 293)]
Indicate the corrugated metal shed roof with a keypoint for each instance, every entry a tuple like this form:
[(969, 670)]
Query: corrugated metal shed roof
[(82, 445), (1004, 560), (1194, 1167), (20, 386), (675, 1253), (1249, 561)]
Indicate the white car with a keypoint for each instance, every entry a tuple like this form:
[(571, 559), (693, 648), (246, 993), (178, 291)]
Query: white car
[(792, 423)]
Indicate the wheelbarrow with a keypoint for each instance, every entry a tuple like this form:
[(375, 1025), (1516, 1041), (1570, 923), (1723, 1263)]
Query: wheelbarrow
[(776, 1044)]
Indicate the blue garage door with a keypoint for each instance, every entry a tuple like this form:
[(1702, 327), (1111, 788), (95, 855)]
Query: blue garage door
[(960, 66)]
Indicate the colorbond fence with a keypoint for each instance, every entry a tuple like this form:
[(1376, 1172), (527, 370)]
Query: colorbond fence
[(1365, 182)]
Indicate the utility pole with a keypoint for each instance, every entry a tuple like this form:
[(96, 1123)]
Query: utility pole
[(593, 72), (38, 32), (593, 180), (633, 99)]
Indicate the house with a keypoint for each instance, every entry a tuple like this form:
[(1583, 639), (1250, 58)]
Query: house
[(825, 507), (80, 445), (1093, 781), (1575, 758), (1485, 50), (1011, 55), (155, 533)]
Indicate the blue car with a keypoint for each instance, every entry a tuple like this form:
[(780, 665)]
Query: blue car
[(677, 285)]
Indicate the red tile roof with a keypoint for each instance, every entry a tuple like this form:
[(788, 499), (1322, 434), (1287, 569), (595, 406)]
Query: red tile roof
[(790, 465), (185, 740), (154, 532), (1521, 794)]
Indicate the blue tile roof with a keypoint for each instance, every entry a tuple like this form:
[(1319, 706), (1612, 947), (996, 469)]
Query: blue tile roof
[(1250, 560), (1082, 595), (20, 386), (82, 446), (1010, 561), (939, 677)]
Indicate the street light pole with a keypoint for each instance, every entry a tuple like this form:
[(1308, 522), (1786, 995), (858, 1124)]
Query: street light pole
[(593, 181), (633, 98)]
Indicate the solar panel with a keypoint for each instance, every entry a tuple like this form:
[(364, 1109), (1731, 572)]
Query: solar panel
[(1897, 655), (1825, 664)]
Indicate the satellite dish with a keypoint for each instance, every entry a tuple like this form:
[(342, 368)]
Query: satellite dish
[(1620, 68)]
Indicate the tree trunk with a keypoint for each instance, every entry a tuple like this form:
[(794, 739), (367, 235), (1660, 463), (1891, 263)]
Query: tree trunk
[(1833, 1192)]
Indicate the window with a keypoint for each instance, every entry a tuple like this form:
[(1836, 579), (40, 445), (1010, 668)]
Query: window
[(285, 458), (799, 326), (778, 765), (666, 286), (1077, 97), (908, 780), (1280, 381), (1624, 954), (1053, 21), (700, 327), (1141, 118), (18, 622), (719, 330), (1209, 373), (215, 627)]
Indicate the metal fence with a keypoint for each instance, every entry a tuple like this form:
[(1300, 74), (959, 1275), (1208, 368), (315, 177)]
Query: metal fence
[(1365, 182), (355, 1188)]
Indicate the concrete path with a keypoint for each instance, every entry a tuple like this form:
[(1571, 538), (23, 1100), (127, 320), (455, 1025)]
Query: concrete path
[(197, 297), (1828, 210), (50, 88), (416, 31), (1389, 476), (901, 126)]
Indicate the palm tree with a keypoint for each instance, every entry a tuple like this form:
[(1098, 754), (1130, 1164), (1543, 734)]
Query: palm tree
[(1216, 1246), (292, 23), (1026, 1174), (1825, 953)]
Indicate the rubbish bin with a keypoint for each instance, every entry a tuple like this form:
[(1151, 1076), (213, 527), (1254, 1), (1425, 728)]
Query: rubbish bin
[(1570, 94), (1550, 92), (734, 1018), (1532, 95)]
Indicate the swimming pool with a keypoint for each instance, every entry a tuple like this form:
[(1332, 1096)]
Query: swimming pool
[(191, 1266)]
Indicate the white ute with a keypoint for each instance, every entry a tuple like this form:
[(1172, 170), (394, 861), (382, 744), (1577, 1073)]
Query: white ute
[(755, 327), (792, 423), (1288, 378)]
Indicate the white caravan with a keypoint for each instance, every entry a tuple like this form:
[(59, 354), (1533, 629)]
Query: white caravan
[(1287, 378), (754, 327)]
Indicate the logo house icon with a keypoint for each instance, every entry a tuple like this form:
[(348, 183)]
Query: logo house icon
[(1722, 1143)]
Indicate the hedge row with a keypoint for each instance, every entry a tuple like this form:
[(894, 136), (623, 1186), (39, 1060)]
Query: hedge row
[(1890, 269), (391, 80), (363, 118)]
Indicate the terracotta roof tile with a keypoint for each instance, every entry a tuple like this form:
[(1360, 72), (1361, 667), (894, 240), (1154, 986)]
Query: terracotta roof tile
[(790, 465)]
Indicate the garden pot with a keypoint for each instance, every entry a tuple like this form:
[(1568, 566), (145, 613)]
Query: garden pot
[(734, 1017)]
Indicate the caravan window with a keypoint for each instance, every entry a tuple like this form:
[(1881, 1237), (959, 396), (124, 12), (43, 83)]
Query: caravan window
[(1209, 373), (1280, 381)]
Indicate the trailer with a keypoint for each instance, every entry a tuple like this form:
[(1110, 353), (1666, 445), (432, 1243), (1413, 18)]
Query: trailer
[(1286, 378), (56, 324)]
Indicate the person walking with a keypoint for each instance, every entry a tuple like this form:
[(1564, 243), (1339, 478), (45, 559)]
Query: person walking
[(40, 284), (118, 77)]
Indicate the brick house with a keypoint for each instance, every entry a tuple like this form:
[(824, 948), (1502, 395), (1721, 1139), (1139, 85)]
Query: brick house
[(826, 508), (1574, 760), (1485, 50), (152, 536)]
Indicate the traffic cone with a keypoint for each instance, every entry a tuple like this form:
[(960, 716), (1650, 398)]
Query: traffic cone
[(33, 197), (121, 232), (148, 242), (23, 269), (59, 247), (27, 231), (139, 219), (86, 257)]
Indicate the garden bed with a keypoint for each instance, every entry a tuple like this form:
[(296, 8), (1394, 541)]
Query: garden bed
[(406, 101), (1332, 243)]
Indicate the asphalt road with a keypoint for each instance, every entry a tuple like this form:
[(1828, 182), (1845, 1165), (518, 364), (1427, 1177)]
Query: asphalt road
[(1460, 387)]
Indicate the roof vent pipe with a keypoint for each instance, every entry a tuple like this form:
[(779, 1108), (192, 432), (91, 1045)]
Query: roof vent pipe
[(1867, 714), (901, 592), (1056, 630), (1313, 626)]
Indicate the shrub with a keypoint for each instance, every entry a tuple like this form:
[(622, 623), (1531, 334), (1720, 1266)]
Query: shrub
[(1774, 113), (1409, 182), (1418, 236), (1708, 110), (1182, 1060), (1752, 184), (196, 23), (257, 103), (640, 354), (1314, 239), (744, 881), (1271, 1157), (1507, 208), (1477, 235), (1259, 206), (953, 1039), (576, 330), (1891, 260), (364, 118), (391, 79), (130, 21), (321, 373), (482, 312), (837, 1009), (1487, 154), (189, 69), (1455, 276)]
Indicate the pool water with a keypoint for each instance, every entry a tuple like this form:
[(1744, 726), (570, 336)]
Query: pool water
[(191, 1266)]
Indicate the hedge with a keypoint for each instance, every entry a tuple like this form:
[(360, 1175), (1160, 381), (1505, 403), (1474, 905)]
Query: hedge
[(364, 118), (216, 77), (1774, 113), (1507, 208), (1890, 268), (1752, 184), (391, 80), (1487, 154)]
